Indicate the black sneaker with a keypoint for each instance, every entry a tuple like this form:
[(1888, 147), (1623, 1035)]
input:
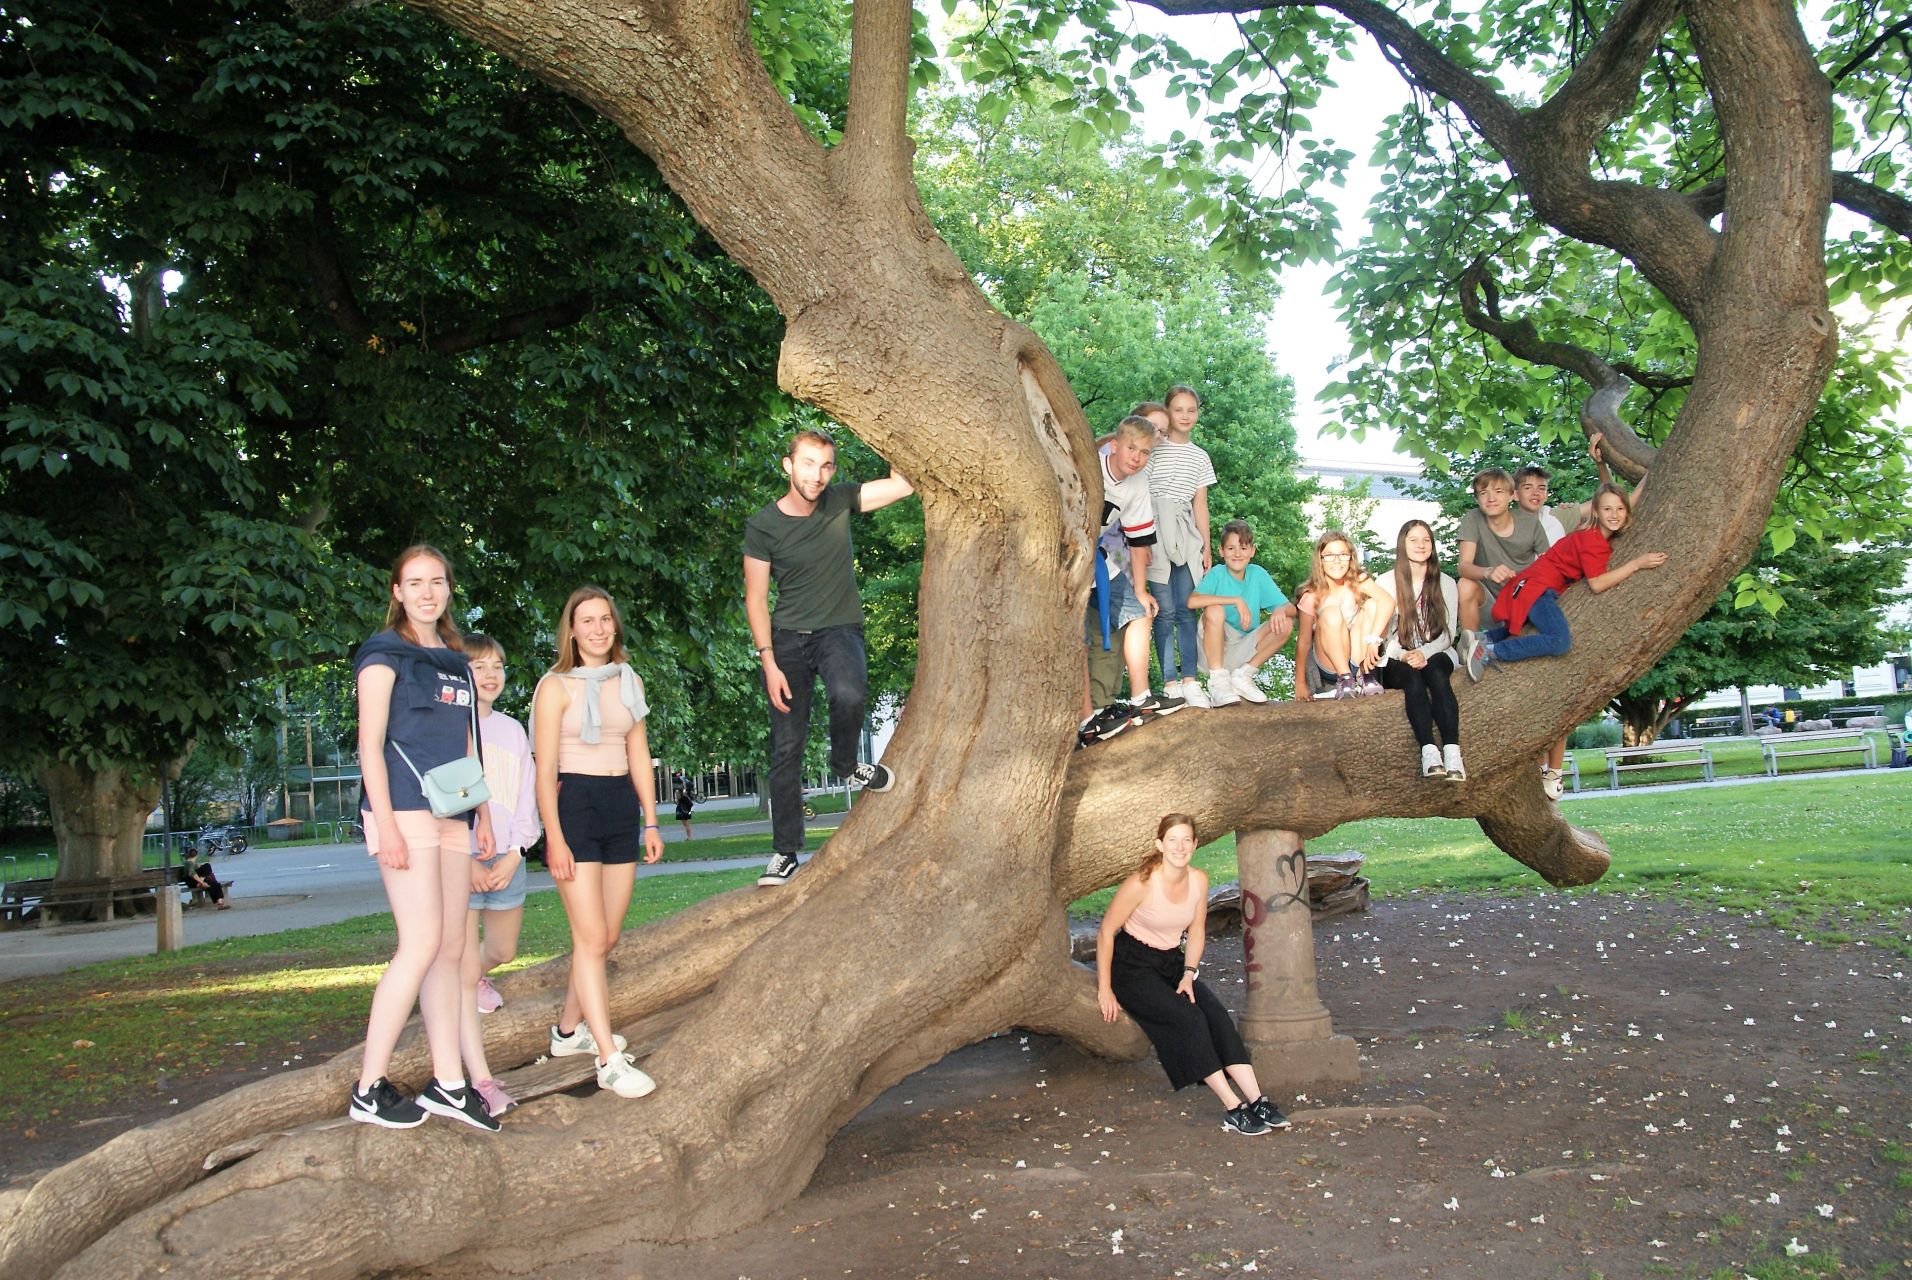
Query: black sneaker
[(458, 1104), (1112, 720), (1157, 705), (1270, 1114), (779, 869), (1244, 1119), (872, 777), (385, 1106)]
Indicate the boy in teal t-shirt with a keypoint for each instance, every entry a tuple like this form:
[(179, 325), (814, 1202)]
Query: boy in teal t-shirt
[(1232, 598)]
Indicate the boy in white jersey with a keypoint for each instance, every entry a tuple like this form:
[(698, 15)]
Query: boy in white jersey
[(1121, 605)]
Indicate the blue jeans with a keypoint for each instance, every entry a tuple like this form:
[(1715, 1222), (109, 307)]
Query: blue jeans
[(1550, 633), (1177, 626), (835, 654)]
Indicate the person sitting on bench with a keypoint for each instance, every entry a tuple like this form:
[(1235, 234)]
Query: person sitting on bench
[(199, 875)]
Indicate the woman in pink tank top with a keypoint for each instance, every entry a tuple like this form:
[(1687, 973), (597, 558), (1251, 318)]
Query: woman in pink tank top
[(598, 798), (1144, 969)]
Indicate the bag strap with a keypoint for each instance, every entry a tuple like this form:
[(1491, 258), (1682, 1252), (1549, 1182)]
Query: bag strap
[(477, 742)]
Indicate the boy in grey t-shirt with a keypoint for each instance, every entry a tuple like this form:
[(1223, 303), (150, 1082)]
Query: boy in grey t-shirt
[(1497, 541)]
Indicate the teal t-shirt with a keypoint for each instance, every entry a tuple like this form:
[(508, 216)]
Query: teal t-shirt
[(1254, 586)]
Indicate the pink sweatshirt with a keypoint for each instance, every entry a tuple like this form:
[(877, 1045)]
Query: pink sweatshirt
[(512, 779)]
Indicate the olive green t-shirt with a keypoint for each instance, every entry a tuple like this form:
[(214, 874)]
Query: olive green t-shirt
[(811, 561)]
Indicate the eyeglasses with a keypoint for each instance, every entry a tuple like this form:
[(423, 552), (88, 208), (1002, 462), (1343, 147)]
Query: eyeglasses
[(1336, 555)]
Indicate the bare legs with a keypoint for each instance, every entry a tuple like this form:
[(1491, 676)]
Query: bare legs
[(500, 945), (595, 902), (1242, 1077), (428, 902)]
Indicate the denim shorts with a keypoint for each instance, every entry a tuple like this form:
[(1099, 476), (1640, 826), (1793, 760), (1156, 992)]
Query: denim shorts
[(505, 899), (1124, 608)]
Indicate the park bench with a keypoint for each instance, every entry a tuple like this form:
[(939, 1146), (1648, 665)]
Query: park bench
[(1659, 755), (1824, 742), (1844, 716), (1722, 726), (18, 897)]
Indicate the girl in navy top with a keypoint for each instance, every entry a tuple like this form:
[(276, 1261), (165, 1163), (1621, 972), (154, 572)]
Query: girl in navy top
[(416, 710)]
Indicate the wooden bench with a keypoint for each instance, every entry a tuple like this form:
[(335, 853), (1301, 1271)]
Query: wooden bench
[(18, 897), (1824, 742), (1621, 759), (1846, 715), (1724, 726)]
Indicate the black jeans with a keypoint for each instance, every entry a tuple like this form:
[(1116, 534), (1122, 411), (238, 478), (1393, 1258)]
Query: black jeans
[(836, 654), (1430, 698)]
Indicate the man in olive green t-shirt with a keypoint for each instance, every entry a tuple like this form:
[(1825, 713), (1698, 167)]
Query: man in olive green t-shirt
[(802, 542)]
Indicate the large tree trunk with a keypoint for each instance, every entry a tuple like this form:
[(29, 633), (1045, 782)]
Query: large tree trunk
[(936, 914), (98, 818)]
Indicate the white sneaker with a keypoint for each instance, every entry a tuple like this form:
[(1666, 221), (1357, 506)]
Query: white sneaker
[(621, 1076), (1196, 696), (1552, 784), (1451, 760), (579, 1041), (1243, 679), (1221, 689), (1431, 766)]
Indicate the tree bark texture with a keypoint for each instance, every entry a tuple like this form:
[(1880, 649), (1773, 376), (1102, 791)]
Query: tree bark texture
[(935, 915)]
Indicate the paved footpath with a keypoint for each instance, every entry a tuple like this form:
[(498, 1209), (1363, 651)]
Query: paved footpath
[(290, 888), (278, 887)]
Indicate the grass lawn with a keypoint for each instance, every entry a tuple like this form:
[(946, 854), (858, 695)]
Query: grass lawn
[(129, 1027), (1820, 857)]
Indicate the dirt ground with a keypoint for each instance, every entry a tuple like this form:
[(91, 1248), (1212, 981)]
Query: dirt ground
[(1551, 1086)]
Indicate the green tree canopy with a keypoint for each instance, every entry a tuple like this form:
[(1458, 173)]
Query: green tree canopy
[(283, 293)]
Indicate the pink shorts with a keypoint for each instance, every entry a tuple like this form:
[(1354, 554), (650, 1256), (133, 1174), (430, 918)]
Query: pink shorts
[(451, 836)]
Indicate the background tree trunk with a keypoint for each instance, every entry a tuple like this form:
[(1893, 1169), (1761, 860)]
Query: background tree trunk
[(935, 916), (98, 818)]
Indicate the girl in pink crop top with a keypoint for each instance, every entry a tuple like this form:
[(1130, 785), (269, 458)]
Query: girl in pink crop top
[(598, 797), (1143, 969)]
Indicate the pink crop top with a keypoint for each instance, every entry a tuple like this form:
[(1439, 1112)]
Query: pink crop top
[(607, 757), (1159, 922)]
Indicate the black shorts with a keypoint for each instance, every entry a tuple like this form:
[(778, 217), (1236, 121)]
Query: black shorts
[(601, 817)]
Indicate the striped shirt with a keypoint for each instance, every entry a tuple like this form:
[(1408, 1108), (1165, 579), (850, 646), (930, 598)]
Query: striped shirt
[(1176, 471)]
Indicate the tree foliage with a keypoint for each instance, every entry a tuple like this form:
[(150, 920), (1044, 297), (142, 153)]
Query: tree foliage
[(284, 292), (1449, 198)]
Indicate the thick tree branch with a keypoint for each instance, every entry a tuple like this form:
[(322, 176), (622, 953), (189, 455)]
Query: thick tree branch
[(1886, 208), (329, 277), (1526, 826), (1658, 230), (1607, 81), (1623, 447), (875, 144)]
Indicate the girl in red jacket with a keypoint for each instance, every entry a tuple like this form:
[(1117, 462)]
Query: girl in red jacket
[(1534, 597)]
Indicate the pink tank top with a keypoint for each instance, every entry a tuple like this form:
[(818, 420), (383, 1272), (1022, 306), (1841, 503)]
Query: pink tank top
[(607, 756), (1159, 922)]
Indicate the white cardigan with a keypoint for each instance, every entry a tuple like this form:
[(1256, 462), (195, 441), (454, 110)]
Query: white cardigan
[(1450, 596)]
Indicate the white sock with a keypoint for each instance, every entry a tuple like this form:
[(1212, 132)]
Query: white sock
[(452, 1086), (1139, 695)]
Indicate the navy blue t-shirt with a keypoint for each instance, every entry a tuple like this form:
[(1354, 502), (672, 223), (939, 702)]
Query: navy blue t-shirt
[(431, 712)]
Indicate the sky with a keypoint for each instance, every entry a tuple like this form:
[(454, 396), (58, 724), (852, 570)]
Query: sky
[(1305, 336)]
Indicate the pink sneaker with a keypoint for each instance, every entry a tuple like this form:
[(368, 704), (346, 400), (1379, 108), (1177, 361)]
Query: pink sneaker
[(497, 1101), (489, 1001)]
